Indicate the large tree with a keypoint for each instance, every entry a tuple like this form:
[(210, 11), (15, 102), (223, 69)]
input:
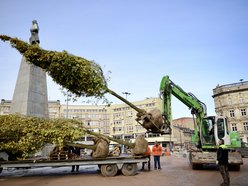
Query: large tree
[(21, 136)]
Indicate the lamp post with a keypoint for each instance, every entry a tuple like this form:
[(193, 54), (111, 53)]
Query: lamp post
[(181, 138), (123, 136), (67, 100), (126, 93)]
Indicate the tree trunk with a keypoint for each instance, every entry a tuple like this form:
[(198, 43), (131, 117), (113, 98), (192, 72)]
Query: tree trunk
[(131, 145)]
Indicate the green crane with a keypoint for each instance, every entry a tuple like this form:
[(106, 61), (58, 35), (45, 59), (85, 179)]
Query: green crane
[(207, 129)]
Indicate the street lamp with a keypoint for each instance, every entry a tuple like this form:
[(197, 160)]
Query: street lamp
[(127, 93), (123, 135), (67, 100)]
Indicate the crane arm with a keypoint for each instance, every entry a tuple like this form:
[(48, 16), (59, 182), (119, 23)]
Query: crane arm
[(167, 89)]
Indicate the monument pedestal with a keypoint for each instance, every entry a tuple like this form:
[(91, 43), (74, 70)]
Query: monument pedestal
[(30, 95)]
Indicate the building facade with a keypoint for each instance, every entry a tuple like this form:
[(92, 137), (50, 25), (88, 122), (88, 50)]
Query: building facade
[(183, 129), (231, 101), (117, 120), (5, 107)]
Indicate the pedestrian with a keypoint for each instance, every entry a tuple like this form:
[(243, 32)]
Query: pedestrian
[(75, 154), (157, 152), (222, 161), (147, 155)]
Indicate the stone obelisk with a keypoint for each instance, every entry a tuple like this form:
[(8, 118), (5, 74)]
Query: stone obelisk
[(30, 95)]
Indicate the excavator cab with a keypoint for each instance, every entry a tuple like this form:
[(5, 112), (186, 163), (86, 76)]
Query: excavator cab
[(213, 129), (207, 132)]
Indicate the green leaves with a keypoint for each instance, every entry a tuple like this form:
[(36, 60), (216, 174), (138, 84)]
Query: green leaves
[(81, 76), (20, 135)]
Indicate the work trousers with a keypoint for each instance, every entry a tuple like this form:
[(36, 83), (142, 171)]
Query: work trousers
[(157, 162), (149, 163), (225, 174), (73, 168)]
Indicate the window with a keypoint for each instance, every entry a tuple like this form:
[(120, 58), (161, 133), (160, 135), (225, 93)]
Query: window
[(232, 113), (117, 122), (130, 128), (245, 126), (118, 129), (234, 127), (243, 112), (116, 115), (229, 101), (153, 135), (129, 114), (139, 127), (150, 104), (128, 121), (117, 109)]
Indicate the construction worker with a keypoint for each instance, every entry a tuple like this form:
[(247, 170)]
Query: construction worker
[(75, 153), (148, 155), (157, 152), (222, 161)]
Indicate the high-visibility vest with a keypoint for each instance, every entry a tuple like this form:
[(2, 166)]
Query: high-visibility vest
[(157, 150), (223, 146), (148, 151)]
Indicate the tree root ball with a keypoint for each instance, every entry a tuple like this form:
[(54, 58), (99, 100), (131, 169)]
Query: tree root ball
[(102, 147), (140, 145), (155, 116)]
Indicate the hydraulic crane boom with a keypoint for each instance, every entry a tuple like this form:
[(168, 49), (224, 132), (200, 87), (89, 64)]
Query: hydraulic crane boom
[(167, 89), (207, 130)]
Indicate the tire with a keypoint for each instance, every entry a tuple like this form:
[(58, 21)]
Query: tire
[(129, 169), (109, 170), (196, 166), (234, 167)]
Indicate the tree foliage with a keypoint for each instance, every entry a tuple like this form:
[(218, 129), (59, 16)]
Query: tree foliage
[(81, 76), (22, 135)]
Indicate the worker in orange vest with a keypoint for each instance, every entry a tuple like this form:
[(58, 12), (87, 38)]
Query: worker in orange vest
[(157, 152), (148, 155)]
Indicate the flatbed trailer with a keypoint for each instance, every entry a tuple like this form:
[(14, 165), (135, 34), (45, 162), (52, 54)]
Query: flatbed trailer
[(108, 166)]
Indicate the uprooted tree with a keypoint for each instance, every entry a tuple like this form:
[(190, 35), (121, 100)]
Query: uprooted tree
[(21, 136), (81, 77)]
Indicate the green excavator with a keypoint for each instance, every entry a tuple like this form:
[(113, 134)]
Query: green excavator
[(207, 129)]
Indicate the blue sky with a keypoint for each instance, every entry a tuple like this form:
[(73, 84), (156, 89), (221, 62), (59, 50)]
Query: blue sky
[(199, 44)]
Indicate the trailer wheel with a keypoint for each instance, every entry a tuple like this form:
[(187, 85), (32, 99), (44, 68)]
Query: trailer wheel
[(196, 166), (129, 169), (109, 170), (234, 167)]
